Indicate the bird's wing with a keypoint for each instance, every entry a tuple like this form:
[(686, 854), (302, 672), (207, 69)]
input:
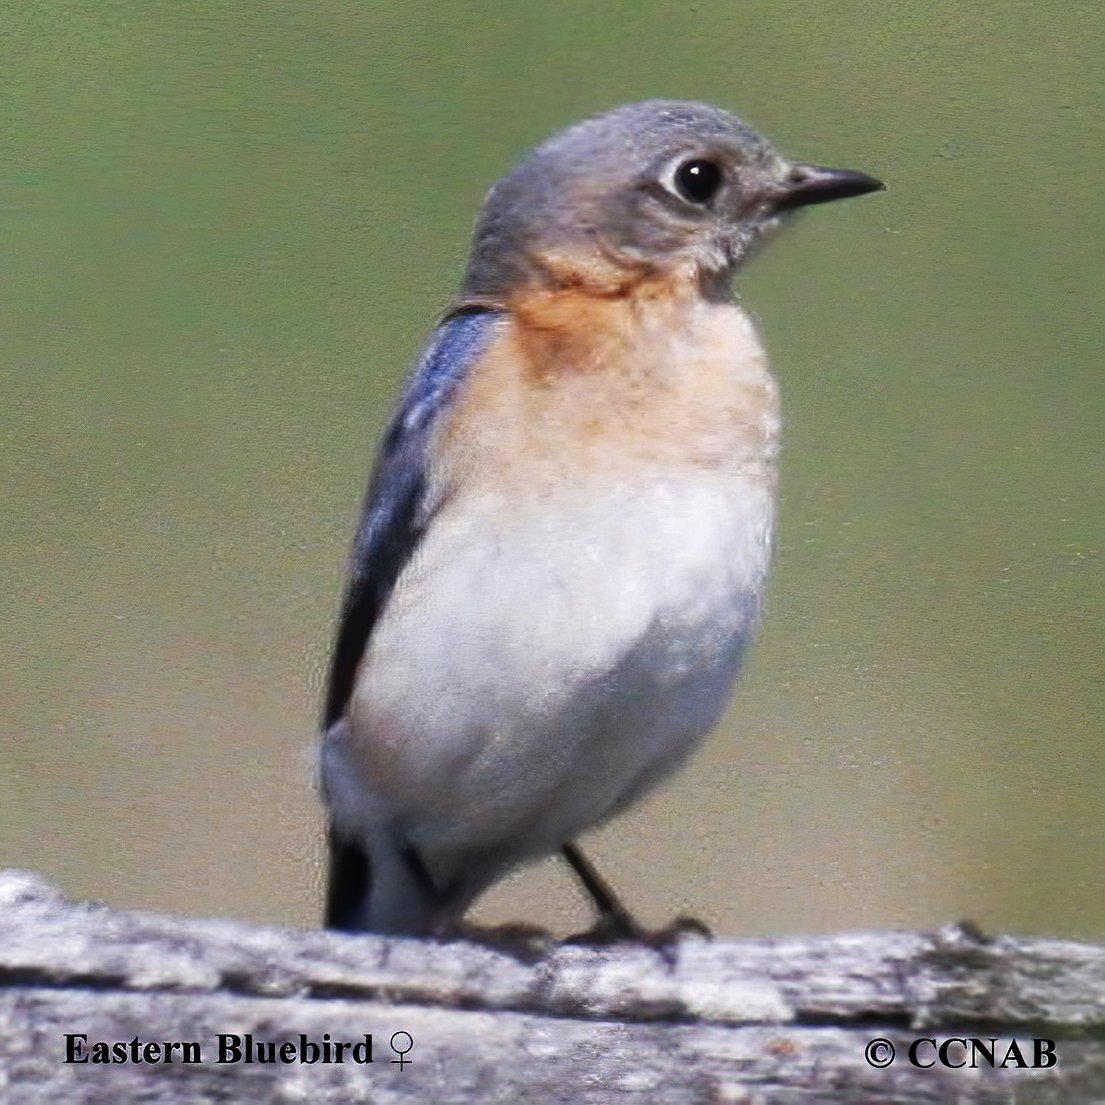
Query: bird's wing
[(394, 513)]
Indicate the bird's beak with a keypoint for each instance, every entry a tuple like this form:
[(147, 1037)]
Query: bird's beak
[(806, 184)]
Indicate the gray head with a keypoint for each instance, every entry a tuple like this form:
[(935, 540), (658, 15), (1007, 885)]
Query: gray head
[(659, 186)]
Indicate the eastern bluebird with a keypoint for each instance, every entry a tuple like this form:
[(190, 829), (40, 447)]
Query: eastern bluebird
[(566, 538)]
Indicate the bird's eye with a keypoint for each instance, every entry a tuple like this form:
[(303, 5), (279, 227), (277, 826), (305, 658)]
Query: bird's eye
[(697, 181)]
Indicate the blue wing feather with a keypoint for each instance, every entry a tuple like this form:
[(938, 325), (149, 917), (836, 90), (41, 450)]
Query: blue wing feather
[(392, 522)]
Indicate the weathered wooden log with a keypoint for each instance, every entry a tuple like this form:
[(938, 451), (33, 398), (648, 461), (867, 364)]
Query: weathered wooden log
[(754, 1021)]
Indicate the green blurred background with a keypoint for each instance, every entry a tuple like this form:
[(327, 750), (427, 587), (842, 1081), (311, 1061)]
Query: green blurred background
[(226, 229)]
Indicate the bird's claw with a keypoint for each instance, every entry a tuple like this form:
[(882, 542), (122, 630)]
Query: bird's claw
[(622, 929)]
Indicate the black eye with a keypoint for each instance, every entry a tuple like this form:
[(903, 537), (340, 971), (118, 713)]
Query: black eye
[(697, 181)]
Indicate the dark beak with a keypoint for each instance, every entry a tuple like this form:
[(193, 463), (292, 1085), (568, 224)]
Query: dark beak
[(806, 184)]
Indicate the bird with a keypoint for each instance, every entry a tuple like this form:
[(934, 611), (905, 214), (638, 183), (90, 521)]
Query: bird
[(564, 545)]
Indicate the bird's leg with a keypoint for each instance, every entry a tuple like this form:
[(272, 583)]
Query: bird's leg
[(615, 922)]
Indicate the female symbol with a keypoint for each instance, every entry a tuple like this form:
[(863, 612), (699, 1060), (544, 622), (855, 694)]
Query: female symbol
[(401, 1043)]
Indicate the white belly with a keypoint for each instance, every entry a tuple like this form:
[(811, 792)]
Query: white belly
[(535, 671)]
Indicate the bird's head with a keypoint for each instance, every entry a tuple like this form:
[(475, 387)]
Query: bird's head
[(661, 187)]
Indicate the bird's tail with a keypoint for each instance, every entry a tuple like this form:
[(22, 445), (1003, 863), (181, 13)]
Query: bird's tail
[(381, 888)]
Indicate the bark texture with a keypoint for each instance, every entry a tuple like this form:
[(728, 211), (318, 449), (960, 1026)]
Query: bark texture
[(762, 1022)]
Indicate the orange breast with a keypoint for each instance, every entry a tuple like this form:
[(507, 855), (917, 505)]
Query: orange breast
[(581, 382)]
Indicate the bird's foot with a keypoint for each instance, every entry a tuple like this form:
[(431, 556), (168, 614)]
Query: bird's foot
[(675, 930), (527, 943), (623, 929), (610, 928)]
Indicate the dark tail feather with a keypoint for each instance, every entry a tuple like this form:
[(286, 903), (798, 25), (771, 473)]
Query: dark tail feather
[(348, 885), (389, 892)]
